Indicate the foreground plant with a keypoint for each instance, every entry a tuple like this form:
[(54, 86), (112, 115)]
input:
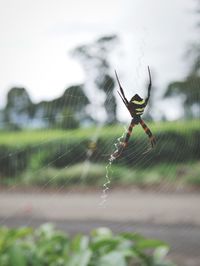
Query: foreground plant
[(46, 246)]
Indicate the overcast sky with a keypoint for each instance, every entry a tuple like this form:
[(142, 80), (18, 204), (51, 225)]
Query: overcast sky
[(36, 36)]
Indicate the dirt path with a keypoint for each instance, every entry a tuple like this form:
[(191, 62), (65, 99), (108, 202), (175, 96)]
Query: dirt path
[(174, 218), (126, 205)]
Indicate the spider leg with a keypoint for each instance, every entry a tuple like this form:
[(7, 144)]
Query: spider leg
[(121, 90), (149, 75), (149, 133), (123, 99), (124, 144), (149, 87)]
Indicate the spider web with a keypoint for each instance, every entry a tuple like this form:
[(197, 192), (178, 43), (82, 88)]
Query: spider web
[(136, 152), (86, 162)]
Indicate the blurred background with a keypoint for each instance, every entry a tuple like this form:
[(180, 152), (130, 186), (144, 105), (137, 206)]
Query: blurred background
[(61, 117)]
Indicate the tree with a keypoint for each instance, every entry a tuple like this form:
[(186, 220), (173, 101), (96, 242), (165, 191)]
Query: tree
[(95, 60), (76, 98), (20, 112), (69, 106), (189, 87), (19, 109), (68, 119)]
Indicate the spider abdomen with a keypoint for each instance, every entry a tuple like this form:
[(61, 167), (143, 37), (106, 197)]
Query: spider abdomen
[(136, 106)]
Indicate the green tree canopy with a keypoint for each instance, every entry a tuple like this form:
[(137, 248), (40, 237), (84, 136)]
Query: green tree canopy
[(189, 87), (96, 62)]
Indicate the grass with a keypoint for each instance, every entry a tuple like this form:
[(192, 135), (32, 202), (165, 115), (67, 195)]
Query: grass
[(57, 156), (36, 137), (119, 175)]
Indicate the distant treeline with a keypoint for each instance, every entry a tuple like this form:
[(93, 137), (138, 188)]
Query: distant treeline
[(66, 111), (70, 110)]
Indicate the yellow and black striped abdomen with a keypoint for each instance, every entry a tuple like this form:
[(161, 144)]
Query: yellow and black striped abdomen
[(139, 111), (137, 107)]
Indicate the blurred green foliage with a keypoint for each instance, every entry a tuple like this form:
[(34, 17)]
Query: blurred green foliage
[(188, 88), (46, 246), (66, 111), (95, 58), (177, 142), (84, 175)]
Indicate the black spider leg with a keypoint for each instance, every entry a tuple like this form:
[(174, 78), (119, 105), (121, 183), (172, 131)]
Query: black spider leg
[(124, 144), (149, 87), (122, 95), (122, 98), (150, 135)]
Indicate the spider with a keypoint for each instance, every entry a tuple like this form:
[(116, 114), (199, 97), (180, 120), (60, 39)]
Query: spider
[(136, 108)]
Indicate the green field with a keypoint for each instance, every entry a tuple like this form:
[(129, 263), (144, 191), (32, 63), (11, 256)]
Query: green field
[(59, 157), (162, 174), (38, 137)]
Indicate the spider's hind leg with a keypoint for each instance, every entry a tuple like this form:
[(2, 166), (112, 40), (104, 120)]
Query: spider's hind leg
[(124, 144), (149, 133)]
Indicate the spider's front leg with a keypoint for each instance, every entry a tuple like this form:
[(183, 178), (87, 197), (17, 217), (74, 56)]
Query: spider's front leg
[(124, 144)]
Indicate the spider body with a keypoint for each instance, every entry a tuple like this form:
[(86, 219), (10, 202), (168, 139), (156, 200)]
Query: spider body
[(136, 108)]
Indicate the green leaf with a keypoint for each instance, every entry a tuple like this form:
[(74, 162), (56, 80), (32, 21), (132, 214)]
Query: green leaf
[(105, 245), (85, 258), (80, 259), (160, 253), (23, 231), (102, 232), (80, 243), (17, 256), (132, 236), (150, 243), (112, 259), (46, 230)]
